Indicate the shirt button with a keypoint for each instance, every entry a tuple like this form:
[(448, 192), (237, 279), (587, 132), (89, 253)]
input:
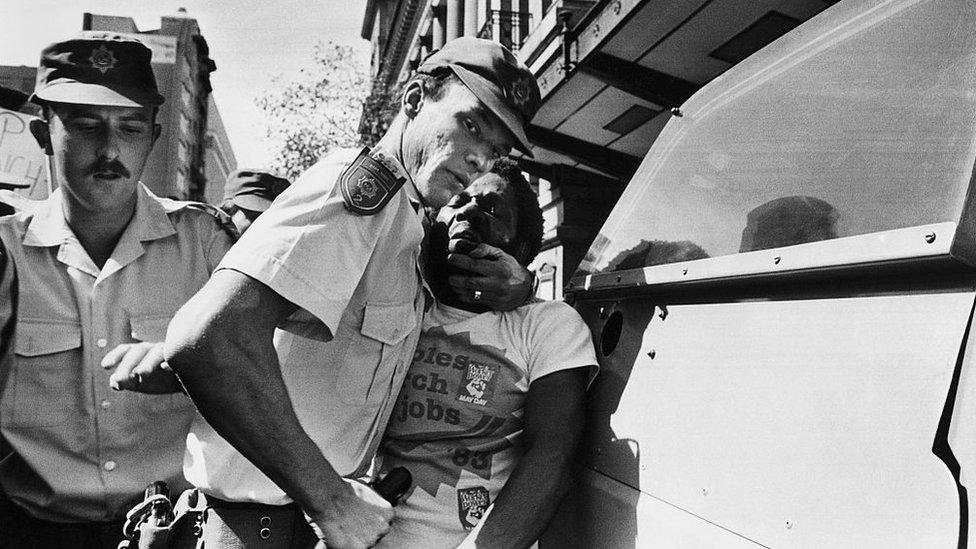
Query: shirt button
[(109, 465), (106, 404), (101, 343)]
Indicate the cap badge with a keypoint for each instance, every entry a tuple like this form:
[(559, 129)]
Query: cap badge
[(102, 59), (520, 92)]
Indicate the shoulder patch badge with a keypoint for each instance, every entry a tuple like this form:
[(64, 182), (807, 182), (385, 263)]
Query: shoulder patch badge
[(367, 186)]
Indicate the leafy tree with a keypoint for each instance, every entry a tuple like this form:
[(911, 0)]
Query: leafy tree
[(319, 110), (378, 111)]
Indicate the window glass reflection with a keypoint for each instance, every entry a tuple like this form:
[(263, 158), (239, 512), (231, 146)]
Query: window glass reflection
[(869, 128)]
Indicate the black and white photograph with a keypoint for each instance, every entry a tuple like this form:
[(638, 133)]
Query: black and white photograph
[(487, 274)]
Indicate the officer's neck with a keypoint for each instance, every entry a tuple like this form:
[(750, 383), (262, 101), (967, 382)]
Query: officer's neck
[(98, 230), (392, 140)]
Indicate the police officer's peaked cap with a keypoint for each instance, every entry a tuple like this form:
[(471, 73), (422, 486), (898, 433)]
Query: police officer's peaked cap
[(496, 77), (97, 68), (253, 190)]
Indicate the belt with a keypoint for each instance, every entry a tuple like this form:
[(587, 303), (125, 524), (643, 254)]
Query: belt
[(233, 524)]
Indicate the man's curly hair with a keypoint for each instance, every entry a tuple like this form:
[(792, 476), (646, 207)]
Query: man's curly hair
[(528, 230)]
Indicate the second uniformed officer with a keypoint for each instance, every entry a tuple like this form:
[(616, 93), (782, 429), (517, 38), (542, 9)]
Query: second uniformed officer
[(341, 246), (248, 194), (99, 267)]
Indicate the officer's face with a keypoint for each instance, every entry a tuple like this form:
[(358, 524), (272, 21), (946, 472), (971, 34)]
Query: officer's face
[(99, 152), (452, 141), (484, 213)]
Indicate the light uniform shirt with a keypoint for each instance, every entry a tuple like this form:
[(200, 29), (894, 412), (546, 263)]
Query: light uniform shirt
[(357, 280), (80, 451), (458, 423)]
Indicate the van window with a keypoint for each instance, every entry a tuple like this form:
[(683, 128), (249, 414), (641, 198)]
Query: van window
[(828, 132)]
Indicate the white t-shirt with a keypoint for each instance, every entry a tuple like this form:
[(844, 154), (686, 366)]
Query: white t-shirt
[(457, 425)]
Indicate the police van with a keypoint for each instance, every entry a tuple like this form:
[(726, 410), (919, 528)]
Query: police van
[(782, 302)]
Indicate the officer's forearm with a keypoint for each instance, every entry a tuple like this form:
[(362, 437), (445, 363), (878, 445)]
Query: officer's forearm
[(220, 345)]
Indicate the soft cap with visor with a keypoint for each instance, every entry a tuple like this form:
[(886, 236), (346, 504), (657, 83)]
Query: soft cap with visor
[(496, 77), (97, 68)]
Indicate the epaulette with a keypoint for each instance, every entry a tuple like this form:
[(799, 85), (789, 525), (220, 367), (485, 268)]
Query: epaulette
[(367, 186), (222, 218)]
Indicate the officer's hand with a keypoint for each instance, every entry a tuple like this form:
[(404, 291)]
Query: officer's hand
[(357, 519), (140, 367), (503, 283)]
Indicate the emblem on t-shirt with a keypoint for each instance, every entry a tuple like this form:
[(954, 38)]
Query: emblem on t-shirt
[(477, 383), (472, 504)]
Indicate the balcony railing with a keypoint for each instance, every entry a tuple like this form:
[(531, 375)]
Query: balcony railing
[(507, 27)]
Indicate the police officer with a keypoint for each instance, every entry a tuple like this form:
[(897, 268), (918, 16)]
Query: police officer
[(99, 269), (341, 247), (248, 193)]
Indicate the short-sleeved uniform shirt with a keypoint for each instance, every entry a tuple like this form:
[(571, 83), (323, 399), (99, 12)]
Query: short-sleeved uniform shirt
[(458, 422), (356, 279), (78, 451)]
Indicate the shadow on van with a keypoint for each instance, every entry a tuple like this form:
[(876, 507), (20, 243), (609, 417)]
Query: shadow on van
[(604, 514)]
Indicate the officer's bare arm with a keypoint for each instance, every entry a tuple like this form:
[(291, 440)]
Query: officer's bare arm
[(220, 345), (553, 429)]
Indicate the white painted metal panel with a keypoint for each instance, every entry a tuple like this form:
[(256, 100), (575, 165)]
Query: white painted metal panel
[(887, 246), (607, 513), (806, 423)]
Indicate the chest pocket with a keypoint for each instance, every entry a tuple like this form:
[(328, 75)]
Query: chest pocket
[(45, 375), (376, 353), (152, 328)]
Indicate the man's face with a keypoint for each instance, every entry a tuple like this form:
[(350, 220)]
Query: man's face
[(243, 218), (451, 142), (484, 213), (100, 152)]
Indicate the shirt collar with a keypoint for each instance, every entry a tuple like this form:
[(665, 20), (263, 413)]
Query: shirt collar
[(48, 227)]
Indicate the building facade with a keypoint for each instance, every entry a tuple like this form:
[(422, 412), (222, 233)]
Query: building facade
[(611, 72), (178, 166), (18, 77), (193, 156)]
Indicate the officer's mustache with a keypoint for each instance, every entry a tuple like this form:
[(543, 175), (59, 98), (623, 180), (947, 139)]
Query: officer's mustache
[(104, 166)]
